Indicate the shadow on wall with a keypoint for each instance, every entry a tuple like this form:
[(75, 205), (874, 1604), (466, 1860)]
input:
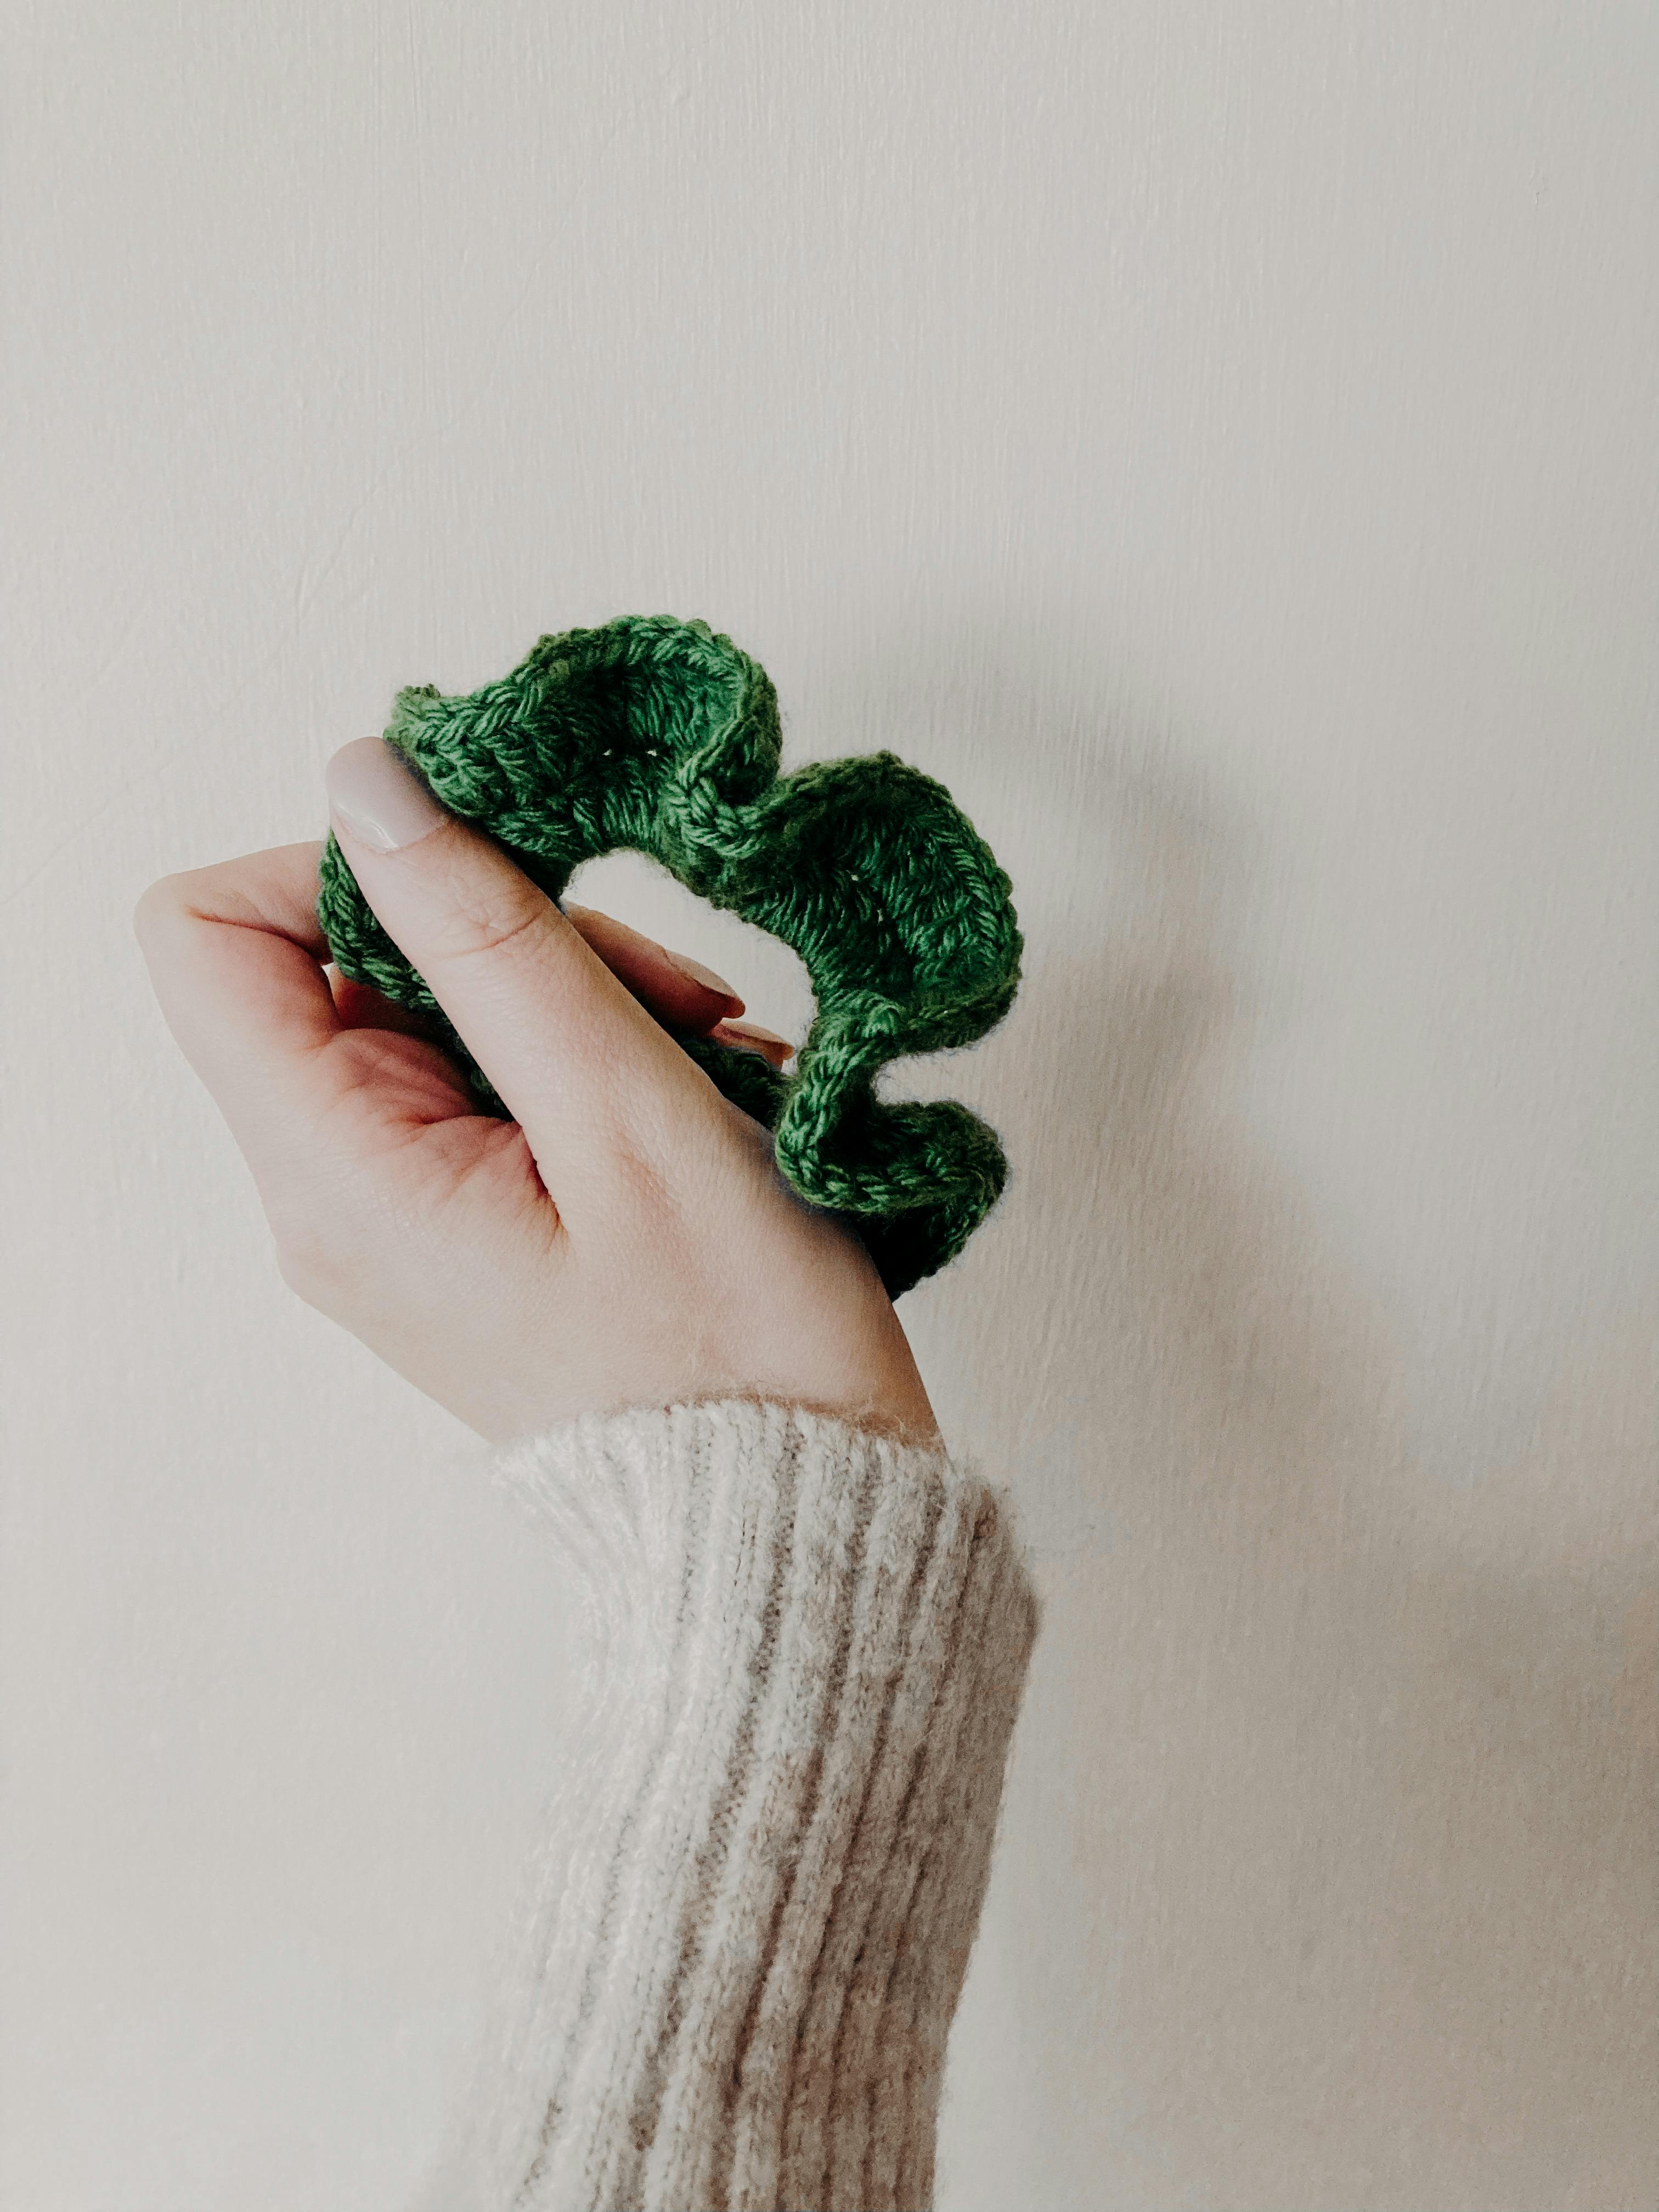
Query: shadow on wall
[(1325, 1861)]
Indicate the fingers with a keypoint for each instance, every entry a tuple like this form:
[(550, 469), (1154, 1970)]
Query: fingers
[(237, 959), (235, 955), (578, 1061), (665, 983), (678, 990), (749, 1036)]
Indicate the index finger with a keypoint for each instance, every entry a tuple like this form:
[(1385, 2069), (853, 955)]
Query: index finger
[(236, 955)]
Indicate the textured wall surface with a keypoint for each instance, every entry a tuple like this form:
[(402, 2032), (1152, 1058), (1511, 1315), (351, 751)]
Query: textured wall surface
[(1217, 440)]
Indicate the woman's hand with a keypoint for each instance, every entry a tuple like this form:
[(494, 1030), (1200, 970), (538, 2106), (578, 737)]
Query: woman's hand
[(625, 1241)]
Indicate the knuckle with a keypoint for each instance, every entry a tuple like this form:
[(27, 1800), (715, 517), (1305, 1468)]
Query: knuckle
[(495, 920), (637, 1188), (192, 899), (297, 1265), (644, 1187), (159, 906), (320, 1254), (320, 1273)]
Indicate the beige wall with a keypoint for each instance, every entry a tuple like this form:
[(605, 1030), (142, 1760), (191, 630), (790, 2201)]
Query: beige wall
[(1220, 442)]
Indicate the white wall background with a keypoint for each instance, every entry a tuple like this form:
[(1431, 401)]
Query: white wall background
[(1220, 441)]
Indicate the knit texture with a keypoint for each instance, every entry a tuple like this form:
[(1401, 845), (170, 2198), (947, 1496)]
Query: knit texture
[(662, 736), (746, 1933)]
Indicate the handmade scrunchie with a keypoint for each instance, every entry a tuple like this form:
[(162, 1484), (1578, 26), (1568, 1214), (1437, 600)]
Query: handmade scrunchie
[(662, 736)]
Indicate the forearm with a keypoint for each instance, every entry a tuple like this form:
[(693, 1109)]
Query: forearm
[(747, 1946)]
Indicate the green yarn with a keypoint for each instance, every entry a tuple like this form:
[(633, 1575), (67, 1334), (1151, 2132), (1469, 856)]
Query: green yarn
[(662, 736)]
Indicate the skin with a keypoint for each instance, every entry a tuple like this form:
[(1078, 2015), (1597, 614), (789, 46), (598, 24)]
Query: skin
[(625, 1241)]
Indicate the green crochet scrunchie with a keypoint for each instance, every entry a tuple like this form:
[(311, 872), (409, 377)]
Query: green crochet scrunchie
[(662, 736)]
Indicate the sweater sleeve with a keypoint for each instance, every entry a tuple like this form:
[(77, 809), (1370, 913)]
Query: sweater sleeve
[(747, 1929)]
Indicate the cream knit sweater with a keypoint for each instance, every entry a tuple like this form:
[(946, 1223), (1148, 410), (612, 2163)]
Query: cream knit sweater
[(746, 1934)]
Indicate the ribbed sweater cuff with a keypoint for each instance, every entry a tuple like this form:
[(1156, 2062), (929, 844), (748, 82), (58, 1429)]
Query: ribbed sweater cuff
[(747, 1939)]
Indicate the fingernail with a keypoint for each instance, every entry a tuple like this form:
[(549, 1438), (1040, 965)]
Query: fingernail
[(705, 976), (377, 799), (756, 1034)]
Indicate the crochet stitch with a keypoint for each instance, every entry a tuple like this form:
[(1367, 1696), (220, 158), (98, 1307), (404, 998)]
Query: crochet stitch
[(663, 737)]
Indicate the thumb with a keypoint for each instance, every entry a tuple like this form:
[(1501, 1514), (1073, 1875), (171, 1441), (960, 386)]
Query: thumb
[(555, 1032)]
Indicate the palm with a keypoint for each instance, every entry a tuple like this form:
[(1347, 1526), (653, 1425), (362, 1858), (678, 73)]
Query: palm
[(419, 1113)]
